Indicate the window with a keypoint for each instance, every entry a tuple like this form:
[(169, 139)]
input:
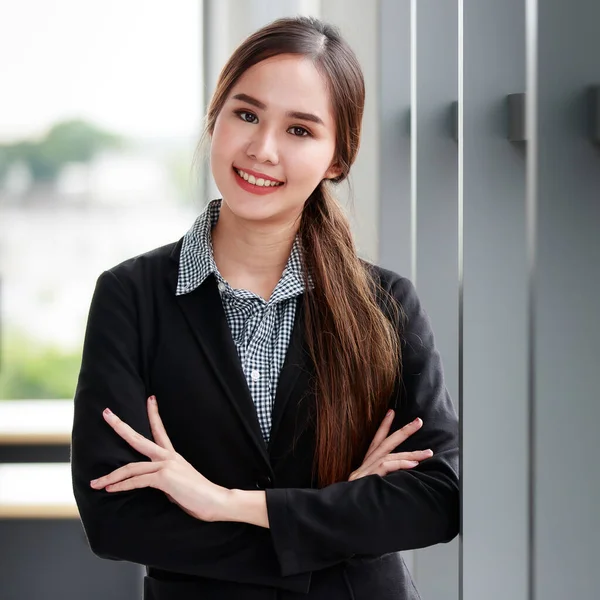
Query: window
[(102, 109)]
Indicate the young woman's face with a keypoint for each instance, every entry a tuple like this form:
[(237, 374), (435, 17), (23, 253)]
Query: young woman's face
[(275, 125)]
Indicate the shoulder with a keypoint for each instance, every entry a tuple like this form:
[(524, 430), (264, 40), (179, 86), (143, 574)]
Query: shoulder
[(148, 267), (399, 286), (155, 260), (399, 300)]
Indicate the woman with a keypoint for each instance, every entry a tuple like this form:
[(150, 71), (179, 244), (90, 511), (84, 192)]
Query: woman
[(274, 354)]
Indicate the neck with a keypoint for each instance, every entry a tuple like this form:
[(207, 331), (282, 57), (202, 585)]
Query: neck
[(245, 249)]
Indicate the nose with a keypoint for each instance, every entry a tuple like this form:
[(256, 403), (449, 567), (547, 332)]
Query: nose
[(263, 147)]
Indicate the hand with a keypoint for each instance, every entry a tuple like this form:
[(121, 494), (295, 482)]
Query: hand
[(378, 459), (167, 471)]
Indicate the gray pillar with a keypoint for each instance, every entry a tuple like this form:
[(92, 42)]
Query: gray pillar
[(395, 211), (435, 188), (494, 287), (419, 197), (564, 229)]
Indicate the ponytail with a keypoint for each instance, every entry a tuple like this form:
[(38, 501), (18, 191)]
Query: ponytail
[(353, 344)]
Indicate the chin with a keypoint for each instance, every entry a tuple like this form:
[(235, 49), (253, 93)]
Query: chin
[(245, 206)]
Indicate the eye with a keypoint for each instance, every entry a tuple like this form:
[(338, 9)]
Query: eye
[(246, 116), (299, 131)]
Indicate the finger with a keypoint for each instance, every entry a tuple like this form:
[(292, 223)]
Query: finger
[(134, 483), (412, 457), (159, 433), (381, 433), (415, 455), (133, 438), (393, 441), (383, 467), (125, 472), (355, 475), (389, 466), (401, 435)]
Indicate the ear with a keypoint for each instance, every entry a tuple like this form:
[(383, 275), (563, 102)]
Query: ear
[(333, 172)]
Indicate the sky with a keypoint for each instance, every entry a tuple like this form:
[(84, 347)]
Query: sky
[(132, 66)]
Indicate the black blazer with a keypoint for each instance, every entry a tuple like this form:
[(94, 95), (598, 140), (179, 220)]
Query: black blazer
[(342, 541)]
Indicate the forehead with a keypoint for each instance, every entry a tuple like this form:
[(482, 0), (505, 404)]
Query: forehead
[(287, 83)]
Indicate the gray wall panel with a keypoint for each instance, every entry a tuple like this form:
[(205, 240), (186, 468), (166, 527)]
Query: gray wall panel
[(494, 408), (395, 211), (394, 137), (436, 187), (566, 292)]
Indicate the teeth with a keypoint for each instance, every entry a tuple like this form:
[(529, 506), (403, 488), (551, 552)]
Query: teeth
[(254, 181)]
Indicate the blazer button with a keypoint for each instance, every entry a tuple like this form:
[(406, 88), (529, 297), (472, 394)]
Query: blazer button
[(263, 482)]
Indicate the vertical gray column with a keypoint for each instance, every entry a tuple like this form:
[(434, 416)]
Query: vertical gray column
[(418, 197), (435, 152), (395, 208), (395, 238), (565, 198), (494, 290)]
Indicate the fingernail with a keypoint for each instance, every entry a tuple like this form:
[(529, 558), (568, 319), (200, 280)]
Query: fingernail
[(153, 399), (416, 420), (107, 411), (93, 482), (389, 413)]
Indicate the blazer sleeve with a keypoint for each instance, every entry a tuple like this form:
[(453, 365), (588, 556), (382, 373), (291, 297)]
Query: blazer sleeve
[(403, 510), (143, 526)]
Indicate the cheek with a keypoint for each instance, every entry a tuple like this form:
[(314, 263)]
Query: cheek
[(224, 143), (311, 162)]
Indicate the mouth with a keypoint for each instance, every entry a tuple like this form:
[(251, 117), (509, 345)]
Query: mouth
[(257, 181)]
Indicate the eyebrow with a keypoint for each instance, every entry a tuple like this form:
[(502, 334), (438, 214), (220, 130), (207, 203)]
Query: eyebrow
[(294, 114)]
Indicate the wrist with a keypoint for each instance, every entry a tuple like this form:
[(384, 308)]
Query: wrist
[(245, 506), (226, 507)]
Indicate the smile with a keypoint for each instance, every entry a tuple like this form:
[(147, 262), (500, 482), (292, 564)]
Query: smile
[(257, 181)]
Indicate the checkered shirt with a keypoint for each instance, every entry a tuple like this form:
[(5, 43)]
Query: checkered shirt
[(260, 329)]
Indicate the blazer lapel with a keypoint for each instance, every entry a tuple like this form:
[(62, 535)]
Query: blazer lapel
[(203, 310), (296, 361)]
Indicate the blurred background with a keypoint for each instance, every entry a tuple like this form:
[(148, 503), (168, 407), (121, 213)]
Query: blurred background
[(494, 216)]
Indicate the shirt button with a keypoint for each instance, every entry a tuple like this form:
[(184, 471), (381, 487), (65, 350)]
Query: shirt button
[(221, 287), (255, 375)]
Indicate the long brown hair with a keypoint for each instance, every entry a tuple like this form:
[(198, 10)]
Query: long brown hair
[(353, 343)]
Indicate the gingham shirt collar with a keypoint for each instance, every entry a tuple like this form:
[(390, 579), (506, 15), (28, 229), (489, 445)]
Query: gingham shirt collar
[(197, 261)]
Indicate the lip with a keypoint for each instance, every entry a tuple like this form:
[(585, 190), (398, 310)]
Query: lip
[(254, 189), (257, 174)]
